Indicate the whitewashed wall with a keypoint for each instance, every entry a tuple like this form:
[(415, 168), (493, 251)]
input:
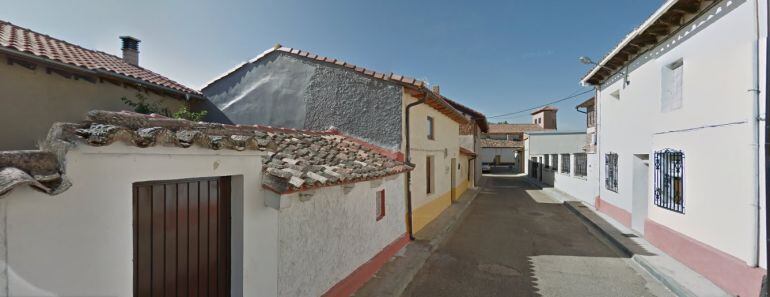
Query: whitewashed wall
[(79, 243), (581, 187), (324, 239), (507, 155), (713, 127)]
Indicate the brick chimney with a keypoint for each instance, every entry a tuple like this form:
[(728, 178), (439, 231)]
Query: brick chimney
[(130, 50)]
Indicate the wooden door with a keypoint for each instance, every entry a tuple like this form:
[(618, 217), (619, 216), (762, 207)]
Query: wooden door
[(182, 238)]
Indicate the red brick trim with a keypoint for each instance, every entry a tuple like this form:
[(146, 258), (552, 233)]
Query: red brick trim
[(728, 272), (360, 276), (617, 213)]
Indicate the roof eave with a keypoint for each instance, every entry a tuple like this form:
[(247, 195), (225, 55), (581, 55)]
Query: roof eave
[(97, 72), (647, 23)]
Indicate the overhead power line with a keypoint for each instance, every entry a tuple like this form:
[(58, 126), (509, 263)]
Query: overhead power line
[(539, 106)]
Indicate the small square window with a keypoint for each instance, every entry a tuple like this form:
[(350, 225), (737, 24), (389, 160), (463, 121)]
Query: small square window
[(380, 204), (430, 129)]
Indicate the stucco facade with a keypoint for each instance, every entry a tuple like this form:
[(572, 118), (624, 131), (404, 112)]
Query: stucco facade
[(296, 89), (89, 227), (443, 148), (539, 144), (78, 202), (715, 127), (324, 239), (283, 90), (38, 99)]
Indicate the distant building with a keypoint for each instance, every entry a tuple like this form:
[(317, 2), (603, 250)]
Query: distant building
[(470, 140), (46, 80), (504, 143), (681, 121)]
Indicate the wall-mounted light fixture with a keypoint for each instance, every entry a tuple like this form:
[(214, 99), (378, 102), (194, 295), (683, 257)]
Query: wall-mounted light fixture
[(588, 61)]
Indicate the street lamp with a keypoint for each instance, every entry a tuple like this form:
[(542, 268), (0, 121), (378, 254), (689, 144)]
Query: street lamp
[(588, 61)]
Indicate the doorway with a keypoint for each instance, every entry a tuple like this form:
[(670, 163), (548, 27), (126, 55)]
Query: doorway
[(453, 175), (182, 237), (640, 190)]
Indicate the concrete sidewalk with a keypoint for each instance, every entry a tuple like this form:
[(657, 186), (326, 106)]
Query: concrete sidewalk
[(677, 277), (393, 278)]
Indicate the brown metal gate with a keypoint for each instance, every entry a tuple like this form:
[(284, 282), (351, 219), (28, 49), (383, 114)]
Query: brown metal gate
[(182, 238)]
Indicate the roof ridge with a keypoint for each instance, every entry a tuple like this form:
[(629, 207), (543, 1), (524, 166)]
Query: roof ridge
[(180, 87)]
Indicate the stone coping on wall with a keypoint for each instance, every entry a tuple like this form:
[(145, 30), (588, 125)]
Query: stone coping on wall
[(297, 160)]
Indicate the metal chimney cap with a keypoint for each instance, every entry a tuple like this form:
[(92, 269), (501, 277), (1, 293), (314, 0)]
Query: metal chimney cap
[(130, 42)]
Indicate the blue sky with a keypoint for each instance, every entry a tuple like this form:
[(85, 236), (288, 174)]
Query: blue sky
[(494, 56)]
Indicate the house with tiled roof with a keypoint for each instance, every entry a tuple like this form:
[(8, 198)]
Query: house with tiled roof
[(470, 146), (288, 87), (503, 144), (45, 80), (153, 206), (682, 129)]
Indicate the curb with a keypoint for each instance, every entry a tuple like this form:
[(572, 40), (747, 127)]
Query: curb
[(442, 235), (605, 234), (670, 283), (423, 249)]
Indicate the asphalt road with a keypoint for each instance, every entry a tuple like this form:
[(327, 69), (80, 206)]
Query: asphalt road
[(515, 241)]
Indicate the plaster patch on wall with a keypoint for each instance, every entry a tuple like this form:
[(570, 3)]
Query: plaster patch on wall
[(323, 240), (266, 92), (357, 105)]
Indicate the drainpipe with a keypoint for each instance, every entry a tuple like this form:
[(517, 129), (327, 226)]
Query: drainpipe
[(767, 152), (756, 122), (409, 173)]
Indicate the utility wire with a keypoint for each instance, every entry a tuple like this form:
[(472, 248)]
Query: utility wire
[(539, 106)]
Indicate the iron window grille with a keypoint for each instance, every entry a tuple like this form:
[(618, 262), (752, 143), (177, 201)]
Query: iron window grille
[(669, 180), (546, 161), (611, 171), (565, 164), (581, 164), (554, 162)]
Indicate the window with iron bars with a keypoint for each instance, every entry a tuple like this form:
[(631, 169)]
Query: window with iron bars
[(581, 164), (546, 161), (554, 162), (611, 171), (565, 163), (669, 180)]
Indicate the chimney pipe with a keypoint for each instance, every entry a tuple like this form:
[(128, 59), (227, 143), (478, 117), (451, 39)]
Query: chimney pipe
[(436, 90), (130, 50)]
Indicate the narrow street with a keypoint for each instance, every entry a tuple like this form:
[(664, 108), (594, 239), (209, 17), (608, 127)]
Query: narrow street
[(514, 241)]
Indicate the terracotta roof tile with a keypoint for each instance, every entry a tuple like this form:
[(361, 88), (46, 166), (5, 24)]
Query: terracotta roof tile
[(480, 118), (545, 108), (466, 151), (26, 41), (513, 128), (499, 143), (296, 160)]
